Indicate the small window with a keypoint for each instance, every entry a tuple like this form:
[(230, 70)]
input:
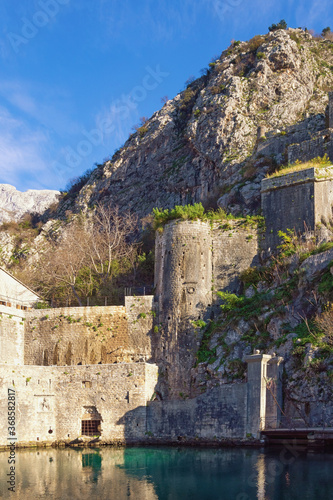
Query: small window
[(91, 428)]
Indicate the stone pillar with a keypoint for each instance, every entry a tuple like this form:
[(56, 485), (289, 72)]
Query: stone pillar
[(256, 392), (274, 392), (330, 110)]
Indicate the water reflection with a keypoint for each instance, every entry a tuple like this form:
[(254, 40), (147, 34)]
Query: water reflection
[(169, 474), (92, 465), (261, 468)]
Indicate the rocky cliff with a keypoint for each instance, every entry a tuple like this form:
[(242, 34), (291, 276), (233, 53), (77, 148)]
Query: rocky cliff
[(217, 139), (14, 203)]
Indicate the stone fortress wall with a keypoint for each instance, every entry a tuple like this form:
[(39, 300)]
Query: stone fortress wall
[(193, 258), (110, 365), (71, 365), (51, 402), (90, 335), (319, 144), (125, 371), (299, 201)]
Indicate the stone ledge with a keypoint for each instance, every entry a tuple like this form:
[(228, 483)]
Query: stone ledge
[(312, 174)]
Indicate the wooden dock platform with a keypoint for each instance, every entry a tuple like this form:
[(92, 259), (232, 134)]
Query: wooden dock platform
[(311, 436)]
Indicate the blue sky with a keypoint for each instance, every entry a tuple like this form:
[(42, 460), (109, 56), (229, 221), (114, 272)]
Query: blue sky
[(76, 75)]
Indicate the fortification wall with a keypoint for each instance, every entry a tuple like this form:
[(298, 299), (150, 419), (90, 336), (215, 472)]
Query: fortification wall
[(230, 411), (11, 335), (320, 145), (218, 414), (194, 259), (330, 110), (58, 398), (323, 196), (306, 148), (296, 201), (140, 313), (234, 249), (89, 335)]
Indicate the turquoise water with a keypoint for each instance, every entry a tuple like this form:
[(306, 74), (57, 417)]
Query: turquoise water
[(169, 474)]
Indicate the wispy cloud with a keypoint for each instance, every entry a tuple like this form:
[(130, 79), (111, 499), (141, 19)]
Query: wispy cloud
[(43, 104), (309, 13), (22, 153), (158, 21)]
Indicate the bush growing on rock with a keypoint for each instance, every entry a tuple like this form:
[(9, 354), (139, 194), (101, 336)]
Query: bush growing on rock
[(282, 25)]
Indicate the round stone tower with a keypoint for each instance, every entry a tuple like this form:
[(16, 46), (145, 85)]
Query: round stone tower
[(183, 284)]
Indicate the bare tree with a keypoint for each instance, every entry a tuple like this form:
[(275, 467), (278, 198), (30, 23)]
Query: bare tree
[(64, 262), (108, 239), (324, 322), (86, 255)]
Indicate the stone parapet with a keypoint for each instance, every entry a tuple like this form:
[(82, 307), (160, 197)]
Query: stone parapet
[(298, 201), (312, 174)]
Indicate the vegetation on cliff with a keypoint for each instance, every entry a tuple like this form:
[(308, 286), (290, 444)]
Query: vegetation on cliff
[(318, 162), (198, 212)]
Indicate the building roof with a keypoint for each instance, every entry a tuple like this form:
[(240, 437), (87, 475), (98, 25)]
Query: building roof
[(20, 282)]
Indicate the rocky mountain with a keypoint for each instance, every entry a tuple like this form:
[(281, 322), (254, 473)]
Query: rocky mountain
[(214, 143), (14, 203), (217, 139)]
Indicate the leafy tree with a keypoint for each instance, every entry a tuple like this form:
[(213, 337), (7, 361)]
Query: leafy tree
[(282, 25)]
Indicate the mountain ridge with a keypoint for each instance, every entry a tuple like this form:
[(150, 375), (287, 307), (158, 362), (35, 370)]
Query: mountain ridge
[(219, 137), (14, 203)]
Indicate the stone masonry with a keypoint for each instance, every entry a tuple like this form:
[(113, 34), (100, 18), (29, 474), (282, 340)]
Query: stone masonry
[(51, 402), (193, 259), (75, 367), (298, 201), (90, 335), (125, 371)]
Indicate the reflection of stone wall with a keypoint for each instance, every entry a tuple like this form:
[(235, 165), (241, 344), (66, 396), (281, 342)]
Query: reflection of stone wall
[(72, 474), (89, 335), (57, 398)]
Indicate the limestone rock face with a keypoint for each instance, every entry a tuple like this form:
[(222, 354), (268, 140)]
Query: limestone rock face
[(14, 203), (219, 137)]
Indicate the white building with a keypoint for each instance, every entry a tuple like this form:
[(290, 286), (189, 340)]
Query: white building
[(13, 293)]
